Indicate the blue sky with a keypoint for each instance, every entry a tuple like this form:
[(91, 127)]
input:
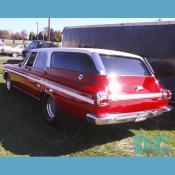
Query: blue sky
[(29, 24)]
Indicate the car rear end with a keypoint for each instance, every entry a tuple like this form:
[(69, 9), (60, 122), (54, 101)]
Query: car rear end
[(127, 91)]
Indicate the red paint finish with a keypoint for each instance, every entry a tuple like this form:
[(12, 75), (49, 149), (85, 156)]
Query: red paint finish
[(127, 85), (35, 82)]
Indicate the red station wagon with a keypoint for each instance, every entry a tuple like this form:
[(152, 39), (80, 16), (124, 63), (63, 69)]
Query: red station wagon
[(101, 86)]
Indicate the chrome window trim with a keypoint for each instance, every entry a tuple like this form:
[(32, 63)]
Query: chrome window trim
[(100, 66), (95, 56), (29, 57), (91, 56), (98, 63), (35, 59), (150, 67), (26, 59)]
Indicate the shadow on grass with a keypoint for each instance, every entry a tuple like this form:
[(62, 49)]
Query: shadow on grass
[(23, 132), (163, 122), (9, 60), (13, 61)]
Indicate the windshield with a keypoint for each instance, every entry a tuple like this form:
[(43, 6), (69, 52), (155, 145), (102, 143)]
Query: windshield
[(1, 43), (15, 46), (124, 66), (33, 45)]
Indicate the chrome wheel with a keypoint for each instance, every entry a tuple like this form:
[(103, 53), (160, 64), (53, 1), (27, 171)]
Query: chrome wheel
[(14, 55), (8, 84), (51, 108)]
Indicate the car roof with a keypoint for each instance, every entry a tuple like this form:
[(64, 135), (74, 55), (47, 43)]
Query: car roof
[(88, 51)]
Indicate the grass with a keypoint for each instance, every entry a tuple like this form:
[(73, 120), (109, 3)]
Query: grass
[(6, 59), (24, 133)]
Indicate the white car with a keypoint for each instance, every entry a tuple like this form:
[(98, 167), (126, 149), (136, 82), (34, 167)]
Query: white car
[(2, 45), (13, 50)]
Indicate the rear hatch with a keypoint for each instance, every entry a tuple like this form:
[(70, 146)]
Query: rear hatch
[(132, 87)]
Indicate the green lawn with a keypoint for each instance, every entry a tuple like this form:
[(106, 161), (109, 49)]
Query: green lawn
[(23, 132), (6, 59)]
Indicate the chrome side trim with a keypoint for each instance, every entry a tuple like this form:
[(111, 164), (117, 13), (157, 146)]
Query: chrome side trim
[(134, 96), (56, 87), (67, 92), (16, 72)]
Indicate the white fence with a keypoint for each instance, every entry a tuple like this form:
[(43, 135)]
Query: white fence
[(8, 41), (26, 42)]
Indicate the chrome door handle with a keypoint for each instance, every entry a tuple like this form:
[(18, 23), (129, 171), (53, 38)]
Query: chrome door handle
[(80, 77)]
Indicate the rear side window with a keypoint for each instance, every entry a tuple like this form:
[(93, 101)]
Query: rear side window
[(124, 66), (31, 59), (41, 59), (79, 62)]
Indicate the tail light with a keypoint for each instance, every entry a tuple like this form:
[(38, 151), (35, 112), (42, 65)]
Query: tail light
[(102, 99), (166, 94)]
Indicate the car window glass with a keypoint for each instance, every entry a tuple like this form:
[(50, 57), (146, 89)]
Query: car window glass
[(45, 44), (26, 58), (33, 45), (124, 66), (73, 61), (31, 59), (41, 59)]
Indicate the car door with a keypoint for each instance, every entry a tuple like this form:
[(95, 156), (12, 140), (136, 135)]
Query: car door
[(27, 68), (36, 74), (19, 78)]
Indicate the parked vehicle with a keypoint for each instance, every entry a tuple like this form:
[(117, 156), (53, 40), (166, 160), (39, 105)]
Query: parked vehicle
[(13, 50), (2, 45), (38, 44), (101, 86)]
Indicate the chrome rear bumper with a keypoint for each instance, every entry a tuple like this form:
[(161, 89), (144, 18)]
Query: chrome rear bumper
[(128, 117)]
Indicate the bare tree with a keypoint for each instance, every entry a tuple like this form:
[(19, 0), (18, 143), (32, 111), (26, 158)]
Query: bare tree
[(4, 34), (23, 34)]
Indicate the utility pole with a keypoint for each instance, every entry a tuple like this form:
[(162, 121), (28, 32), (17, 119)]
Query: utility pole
[(37, 24), (48, 29), (43, 36)]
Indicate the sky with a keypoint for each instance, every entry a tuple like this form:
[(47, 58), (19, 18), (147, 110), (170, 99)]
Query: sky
[(29, 24)]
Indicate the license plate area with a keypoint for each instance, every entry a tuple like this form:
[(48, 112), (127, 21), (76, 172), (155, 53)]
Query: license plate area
[(142, 116)]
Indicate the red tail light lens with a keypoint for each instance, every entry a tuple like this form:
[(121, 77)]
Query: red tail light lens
[(102, 99), (166, 94)]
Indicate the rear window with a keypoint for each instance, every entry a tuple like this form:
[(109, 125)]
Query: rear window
[(79, 62), (124, 66)]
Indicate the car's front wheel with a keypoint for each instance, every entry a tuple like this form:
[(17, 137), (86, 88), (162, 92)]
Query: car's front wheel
[(9, 85), (14, 55)]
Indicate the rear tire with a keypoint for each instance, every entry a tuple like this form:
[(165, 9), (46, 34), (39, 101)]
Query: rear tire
[(51, 111), (54, 115)]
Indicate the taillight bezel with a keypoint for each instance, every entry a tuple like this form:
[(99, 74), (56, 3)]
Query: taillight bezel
[(166, 94), (101, 96)]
